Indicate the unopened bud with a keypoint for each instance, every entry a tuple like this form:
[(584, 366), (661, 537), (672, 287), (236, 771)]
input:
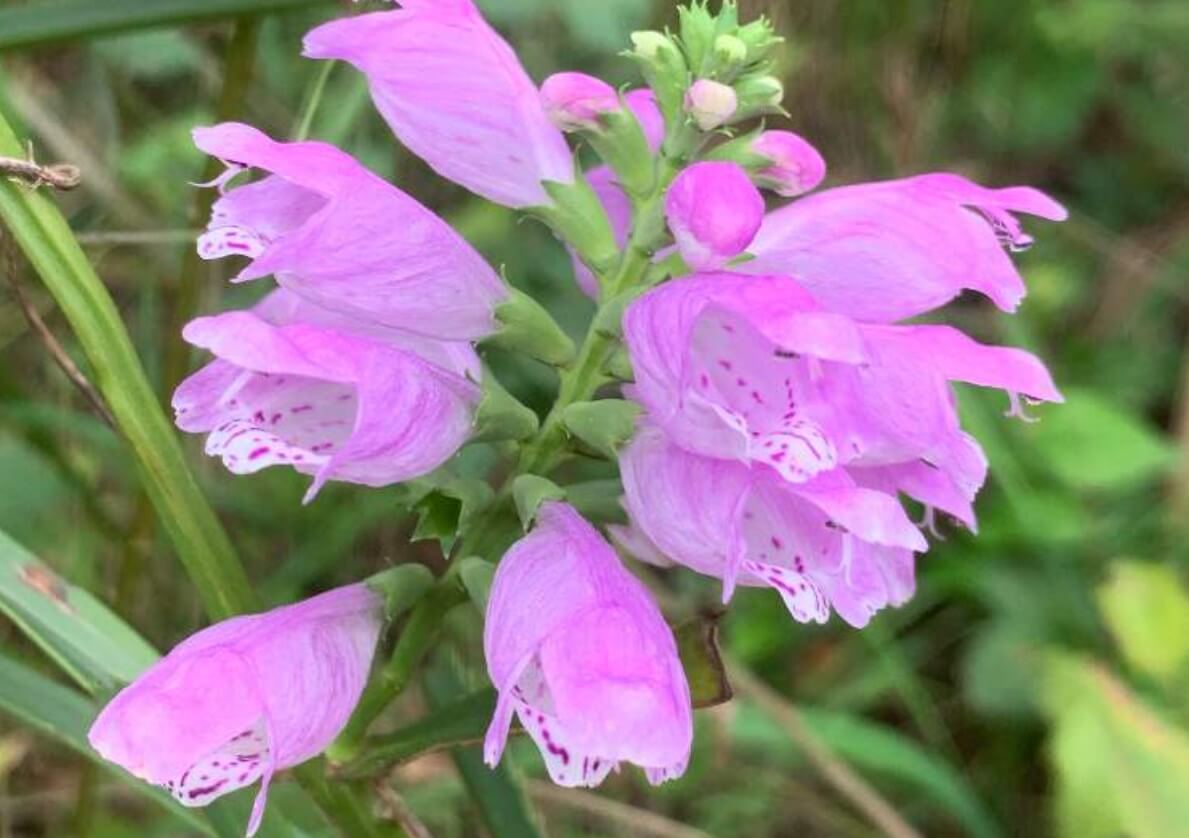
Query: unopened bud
[(710, 103), (795, 165), (714, 211), (759, 95), (575, 101), (650, 43), (729, 52)]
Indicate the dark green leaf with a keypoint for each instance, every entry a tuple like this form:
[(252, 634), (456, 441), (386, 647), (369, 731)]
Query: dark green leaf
[(697, 644)]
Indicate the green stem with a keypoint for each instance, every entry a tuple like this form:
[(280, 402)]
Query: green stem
[(419, 634), (338, 801), (240, 59), (50, 246), (310, 107)]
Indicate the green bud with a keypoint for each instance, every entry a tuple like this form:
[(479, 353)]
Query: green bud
[(530, 491), (605, 425), (758, 95), (665, 70), (527, 327), (620, 365), (730, 54), (500, 417), (697, 27), (609, 320), (760, 38)]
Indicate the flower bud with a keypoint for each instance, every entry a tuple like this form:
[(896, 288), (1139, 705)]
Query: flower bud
[(729, 52), (710, 103), (758, 95), (714, 211), (649, 44), (664, 67), (575, 101), (795, 166)]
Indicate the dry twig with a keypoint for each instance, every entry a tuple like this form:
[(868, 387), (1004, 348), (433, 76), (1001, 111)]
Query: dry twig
[(629, 819)]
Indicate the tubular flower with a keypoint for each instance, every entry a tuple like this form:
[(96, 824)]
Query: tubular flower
[(579, 650), (345, 239), (454, 93), (794, 166), (295, 385), (753, 369), (824, 543), (714, 211), (895, 249), (244, 698)]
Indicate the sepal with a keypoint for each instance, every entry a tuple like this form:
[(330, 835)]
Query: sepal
[(665, 70), (620, 142), (401, 587), (528, 493), (476, 574), (525, 326), (447, 509), (577, 217), (605, 425), (500, 416)]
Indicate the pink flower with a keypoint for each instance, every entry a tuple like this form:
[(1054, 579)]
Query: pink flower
[(795, 166), (752, 370), (714, 211), (244, 698), (299, 386), (895, 249), (710, 103), (576, 646), (821, 544), (338, 235), (453, 91), (575, 101)]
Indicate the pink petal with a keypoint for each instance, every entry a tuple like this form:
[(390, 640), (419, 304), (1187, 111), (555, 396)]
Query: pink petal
[(577, 647), (796, 167), (245, 697), (346, 240), (328, 403), (891, 250), (455, 94), (714, 211)]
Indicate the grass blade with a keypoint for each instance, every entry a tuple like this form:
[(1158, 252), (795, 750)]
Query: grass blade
[(91, 644), (36, 24), (49, 244)]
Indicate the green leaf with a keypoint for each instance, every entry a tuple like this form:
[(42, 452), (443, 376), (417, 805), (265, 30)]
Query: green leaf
[(501, 803), (1147, 611), (50, 21), (49, 244), (530, 491), (1089, 443), (461, 721), (697, 646), (1121, 767), (63, 715), (91, 644)]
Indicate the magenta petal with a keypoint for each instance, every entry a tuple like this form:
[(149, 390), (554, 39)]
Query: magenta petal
[(890, 250), (345, 239), (244, 698), (714, 211), (576, 101), (578, 649), (795, 166), (455, 94)]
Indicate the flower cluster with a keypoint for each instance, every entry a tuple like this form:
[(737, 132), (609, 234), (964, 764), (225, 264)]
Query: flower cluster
[(781, 404)]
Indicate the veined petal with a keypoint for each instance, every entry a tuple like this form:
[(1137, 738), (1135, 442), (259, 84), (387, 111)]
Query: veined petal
[(890, 250), (346, 240), (330, 404), (244, 698), (453, 91)]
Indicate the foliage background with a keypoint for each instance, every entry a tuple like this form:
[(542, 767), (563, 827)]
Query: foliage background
[(1039, 681)]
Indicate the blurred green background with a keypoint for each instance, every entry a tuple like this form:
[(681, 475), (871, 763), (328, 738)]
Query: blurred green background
[(1038, 683)]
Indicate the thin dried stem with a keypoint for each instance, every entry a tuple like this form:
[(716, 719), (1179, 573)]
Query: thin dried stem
[(398, 810), (629, 819), (57, 352), (834, 771)]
